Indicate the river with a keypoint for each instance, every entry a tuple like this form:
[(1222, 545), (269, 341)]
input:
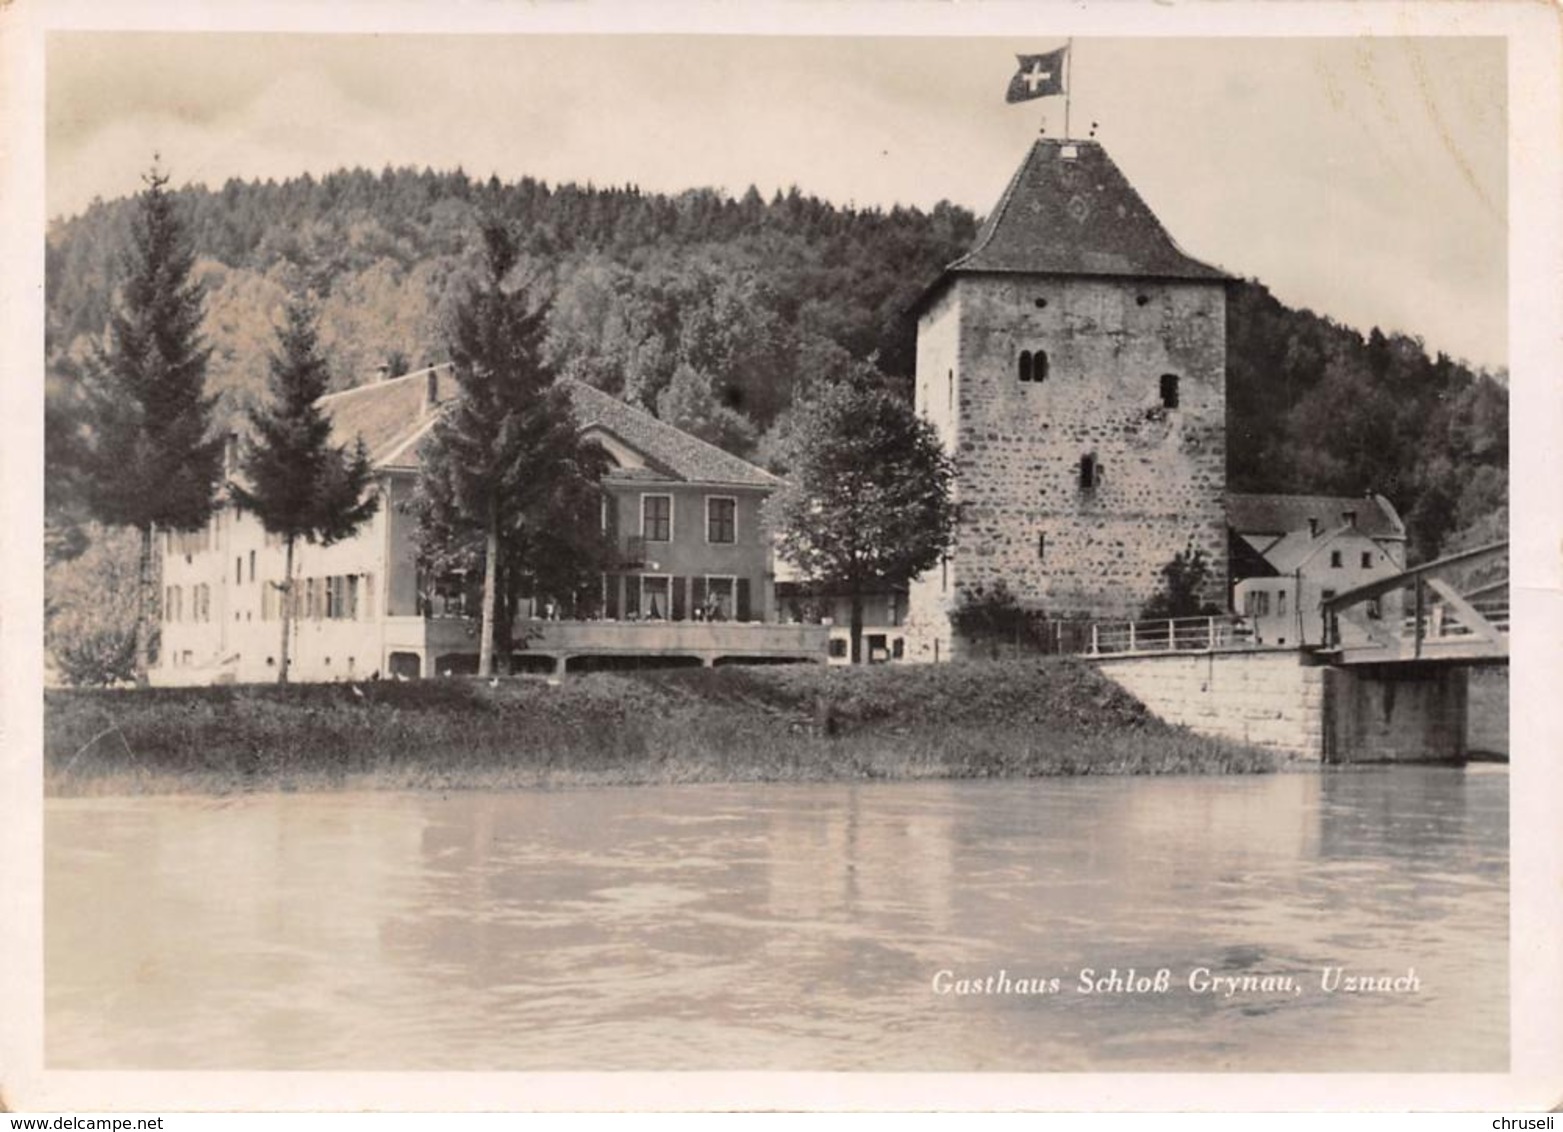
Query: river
[(788, 927)]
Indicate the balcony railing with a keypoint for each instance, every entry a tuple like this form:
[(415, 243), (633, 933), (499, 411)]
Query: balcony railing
[(648, 638), (632, 552)]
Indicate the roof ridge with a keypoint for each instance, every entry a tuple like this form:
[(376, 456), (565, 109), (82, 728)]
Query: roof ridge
[(1156, 220), (990, 226), (379, 384)]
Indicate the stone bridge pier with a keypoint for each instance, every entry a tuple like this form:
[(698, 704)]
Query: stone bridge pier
[(1297, 705)]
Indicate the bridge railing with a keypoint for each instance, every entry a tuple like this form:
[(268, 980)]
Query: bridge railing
[(1454, 607), (1170, 634)]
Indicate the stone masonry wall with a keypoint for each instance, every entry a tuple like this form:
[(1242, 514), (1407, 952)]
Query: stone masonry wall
[(1024, 516), (1268, 699)]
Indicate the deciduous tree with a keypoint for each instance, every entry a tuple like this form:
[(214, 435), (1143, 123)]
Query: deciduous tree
[(868, 498)]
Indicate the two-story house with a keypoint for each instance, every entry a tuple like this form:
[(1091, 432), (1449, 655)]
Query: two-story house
[(694, 581), (1293, 552)]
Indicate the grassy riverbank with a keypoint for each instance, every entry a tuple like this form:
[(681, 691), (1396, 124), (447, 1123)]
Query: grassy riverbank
[(1013, 719)]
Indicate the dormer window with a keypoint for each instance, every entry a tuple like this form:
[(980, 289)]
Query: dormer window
[(1033, 365)]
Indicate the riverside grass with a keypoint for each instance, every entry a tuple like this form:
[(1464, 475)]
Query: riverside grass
[(1013, 719)]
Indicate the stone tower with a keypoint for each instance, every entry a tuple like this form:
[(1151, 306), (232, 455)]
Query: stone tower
[(1074, 364)]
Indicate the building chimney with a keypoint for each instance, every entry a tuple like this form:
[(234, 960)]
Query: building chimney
[(384, 371), (431, 389)]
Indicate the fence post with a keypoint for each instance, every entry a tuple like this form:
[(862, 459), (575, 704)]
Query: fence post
[(1131, 636), (1095, 644), (1210, 632), (1172, 636)]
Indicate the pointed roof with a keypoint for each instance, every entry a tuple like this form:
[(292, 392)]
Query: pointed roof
[(1069, 210), (394, 418)]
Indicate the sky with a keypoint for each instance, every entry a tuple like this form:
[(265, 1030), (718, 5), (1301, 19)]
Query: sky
[(1364, 178)]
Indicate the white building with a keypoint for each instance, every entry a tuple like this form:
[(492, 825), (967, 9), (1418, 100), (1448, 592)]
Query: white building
[(1293, 552)]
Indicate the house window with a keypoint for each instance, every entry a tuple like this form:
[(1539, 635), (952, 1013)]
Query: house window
[(1335, 558), (1041, 546), (1169, 391), (721, 519), (1326, 595), (1033, 366), (1256, 603), (655, 598), (238, 569), (1375, 609), (1280, 602), (252, 565), (838, 648), (450, 595), (719, 599), (656, 518), (1367, 560), (1090, 471)]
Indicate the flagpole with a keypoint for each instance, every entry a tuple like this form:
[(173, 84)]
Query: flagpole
[(1069, 80)]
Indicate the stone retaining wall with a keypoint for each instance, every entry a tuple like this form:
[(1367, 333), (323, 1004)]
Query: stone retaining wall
[(1273, 699)]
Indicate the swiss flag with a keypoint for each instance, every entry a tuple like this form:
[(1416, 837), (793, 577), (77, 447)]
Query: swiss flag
[(1038, 76)]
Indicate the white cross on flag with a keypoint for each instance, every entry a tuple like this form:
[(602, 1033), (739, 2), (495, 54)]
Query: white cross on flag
[(1038, 76)]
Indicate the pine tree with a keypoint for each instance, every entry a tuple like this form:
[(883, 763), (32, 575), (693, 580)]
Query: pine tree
[(868, 496), (149, 460), (508, 450), (300, 486)]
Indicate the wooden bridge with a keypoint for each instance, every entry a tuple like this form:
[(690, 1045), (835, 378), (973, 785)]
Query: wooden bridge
[(1454, 609)]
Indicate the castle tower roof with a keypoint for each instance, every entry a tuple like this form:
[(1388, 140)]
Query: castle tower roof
[(1069, 210)]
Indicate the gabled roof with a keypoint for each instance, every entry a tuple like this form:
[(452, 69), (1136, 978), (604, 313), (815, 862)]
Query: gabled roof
[(683, 456), (394, 418), (1069, 210), (1281, 515), (388, 414), (1298, 548)]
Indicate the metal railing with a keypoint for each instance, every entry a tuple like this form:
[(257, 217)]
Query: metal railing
[(1172, 634)]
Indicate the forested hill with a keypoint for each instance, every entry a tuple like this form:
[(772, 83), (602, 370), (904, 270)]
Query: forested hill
[(714, 311)]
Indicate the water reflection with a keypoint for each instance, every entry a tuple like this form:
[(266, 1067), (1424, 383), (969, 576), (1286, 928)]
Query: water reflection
[(781, 927)]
